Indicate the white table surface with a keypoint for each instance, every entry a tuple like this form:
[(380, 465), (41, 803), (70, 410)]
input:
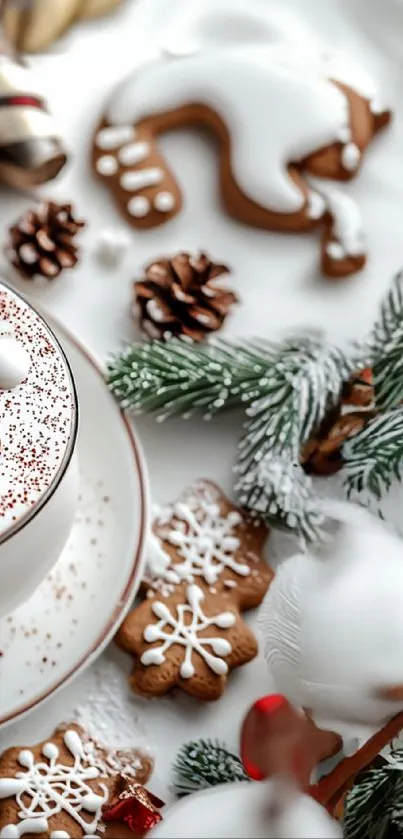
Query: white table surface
[(277, 279)]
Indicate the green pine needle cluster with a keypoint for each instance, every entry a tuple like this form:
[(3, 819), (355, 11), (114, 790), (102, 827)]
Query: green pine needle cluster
[(374, 456), (205, 763), (386, 347), (182, 378), (374, 805), (278, 490), (286, 389)]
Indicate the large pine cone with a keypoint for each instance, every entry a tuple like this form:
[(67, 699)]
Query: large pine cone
[(179, 296), (41, 241)]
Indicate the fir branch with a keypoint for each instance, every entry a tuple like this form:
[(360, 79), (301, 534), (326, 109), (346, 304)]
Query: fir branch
[(205, 763), (367, 807), (178, 377), (386, 345), (278, 491), (373, 457), (287, 388), (306, 381)]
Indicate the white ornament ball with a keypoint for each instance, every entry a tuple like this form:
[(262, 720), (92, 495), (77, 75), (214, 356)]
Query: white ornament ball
[(15, 362), (332, 627), (112, 247)]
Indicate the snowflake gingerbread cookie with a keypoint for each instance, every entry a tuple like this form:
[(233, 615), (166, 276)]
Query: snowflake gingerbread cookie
[(58, 788), (205, 565), (281, 114)]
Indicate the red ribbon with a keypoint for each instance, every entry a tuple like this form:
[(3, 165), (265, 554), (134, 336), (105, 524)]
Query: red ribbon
[(21, 100), (136, 807)]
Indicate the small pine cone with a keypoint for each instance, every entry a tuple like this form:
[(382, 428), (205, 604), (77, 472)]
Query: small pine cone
[(179, 296), (322, 456), (41, 241), (359, 391)]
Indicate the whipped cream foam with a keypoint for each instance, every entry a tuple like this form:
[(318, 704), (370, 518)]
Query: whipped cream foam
[(37, 418)]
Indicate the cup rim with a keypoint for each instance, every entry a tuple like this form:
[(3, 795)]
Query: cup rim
[(30, 514)]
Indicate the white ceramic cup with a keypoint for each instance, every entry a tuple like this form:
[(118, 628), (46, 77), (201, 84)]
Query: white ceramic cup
[(31, 543)]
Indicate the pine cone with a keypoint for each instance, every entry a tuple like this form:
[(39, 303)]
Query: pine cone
[(322, 455), (41, 241), (359, 391), (179, 296)]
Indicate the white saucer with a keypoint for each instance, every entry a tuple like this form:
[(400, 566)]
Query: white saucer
[(71, 617)]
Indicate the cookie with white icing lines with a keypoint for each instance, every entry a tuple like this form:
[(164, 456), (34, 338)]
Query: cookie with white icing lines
[(58, 788), (279, 115), (203, 538), (204, 565), (191, 639)]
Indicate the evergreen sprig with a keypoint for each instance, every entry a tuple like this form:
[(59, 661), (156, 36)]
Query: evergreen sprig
[(367, 808), (287, 390), (205, 763), (386, 347), (305, 382), (179, 377), (278, 491), (374, 456), (374, 805)]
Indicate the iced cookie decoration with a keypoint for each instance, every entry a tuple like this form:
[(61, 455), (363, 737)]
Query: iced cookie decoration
[(192, 639), (280, 115), (204, 566), (332, 629), (58, 788)]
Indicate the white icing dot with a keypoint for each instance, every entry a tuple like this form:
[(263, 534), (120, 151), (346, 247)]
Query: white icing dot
[(316, 205), (50, 751), (335, 250), (26, 758), (138, 206), (141, 178), (187, 670), (351, 157), (344, 134), (164, 202), (107, 165), (133, 153), (114, 136), (376, 107)]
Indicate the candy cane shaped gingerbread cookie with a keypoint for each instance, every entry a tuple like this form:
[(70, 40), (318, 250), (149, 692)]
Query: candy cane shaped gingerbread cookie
[(279, 115)]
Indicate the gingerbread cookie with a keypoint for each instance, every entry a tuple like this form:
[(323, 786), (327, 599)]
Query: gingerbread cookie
[(204, 538), (279, 116), (58, 788), (191, 639), (204, 565)]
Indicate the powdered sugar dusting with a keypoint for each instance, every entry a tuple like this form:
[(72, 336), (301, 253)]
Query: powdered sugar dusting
[(108, 716)]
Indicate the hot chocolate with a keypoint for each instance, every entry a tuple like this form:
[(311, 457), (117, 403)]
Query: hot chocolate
[(38, 427)]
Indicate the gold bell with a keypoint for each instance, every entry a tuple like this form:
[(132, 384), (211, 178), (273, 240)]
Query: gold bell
[(31, 150)]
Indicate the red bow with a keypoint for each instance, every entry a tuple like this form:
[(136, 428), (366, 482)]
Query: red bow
[(136, 807)]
